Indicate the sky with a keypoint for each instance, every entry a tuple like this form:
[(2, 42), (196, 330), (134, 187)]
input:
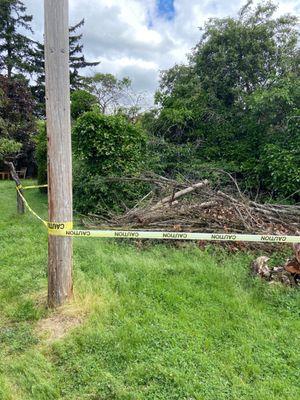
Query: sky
[(139, 38)]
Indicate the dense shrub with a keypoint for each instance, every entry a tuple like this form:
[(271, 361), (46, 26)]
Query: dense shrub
[(105, 147)]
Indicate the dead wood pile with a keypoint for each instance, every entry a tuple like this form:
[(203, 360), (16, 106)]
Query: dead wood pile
[(198, 206)]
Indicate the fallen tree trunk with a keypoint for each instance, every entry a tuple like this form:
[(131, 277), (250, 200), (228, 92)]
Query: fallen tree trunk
[(171, 198)]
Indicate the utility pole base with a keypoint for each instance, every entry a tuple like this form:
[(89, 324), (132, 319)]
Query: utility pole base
[(60, 286)]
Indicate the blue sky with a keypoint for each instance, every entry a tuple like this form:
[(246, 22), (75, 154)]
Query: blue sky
[(166, 8), (139, 38)]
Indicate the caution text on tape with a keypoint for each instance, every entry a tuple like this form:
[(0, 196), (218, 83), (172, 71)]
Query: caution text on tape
[(225, 237), (56, 227)]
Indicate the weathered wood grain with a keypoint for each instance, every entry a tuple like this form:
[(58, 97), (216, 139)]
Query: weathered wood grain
[(59, 147)]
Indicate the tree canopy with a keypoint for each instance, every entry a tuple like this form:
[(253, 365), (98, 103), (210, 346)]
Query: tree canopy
[(16, 49), (237, 99)]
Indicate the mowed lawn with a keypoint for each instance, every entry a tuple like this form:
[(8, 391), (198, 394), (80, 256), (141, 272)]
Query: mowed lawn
[(153, 322)]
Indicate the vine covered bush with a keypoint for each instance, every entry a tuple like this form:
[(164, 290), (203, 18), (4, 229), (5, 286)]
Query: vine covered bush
[(283, 170), (106, 148)]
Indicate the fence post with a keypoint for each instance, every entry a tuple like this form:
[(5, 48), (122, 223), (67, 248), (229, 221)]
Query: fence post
[(15, 177)]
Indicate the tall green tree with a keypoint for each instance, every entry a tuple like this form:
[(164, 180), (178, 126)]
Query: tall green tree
[(109, 91), (272, 135), (115, 96), (77, 63), (16, 56), (17, 123), (77, 58)]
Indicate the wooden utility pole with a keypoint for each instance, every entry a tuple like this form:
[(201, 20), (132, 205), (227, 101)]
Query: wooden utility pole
[(59, 148)]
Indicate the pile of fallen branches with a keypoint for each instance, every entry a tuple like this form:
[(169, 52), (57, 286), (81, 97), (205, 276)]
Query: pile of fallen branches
[(203, 207)]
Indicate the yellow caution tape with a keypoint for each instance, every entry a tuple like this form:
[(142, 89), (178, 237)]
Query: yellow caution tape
[(29, 208), (34, 187), (59, 228), (31, 187), (52, 226), (223, 237), (65, 229)]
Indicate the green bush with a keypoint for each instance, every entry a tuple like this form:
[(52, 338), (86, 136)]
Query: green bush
[(106, 147), (9, 147)]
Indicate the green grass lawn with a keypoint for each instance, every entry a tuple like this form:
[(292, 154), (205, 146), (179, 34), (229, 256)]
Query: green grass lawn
[(155, 323)]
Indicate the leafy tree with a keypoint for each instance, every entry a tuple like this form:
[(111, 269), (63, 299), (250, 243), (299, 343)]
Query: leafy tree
[(237, 56), (274, 157), (233, 99), (115, 96), (16, 110), (81, 102), (109, 91), (178, 89), (16, 55)]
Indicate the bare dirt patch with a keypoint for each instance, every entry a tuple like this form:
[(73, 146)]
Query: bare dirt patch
[(57, 326), (66, 318)]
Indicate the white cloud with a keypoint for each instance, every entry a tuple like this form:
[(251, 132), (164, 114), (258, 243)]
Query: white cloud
[(129, 38)]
